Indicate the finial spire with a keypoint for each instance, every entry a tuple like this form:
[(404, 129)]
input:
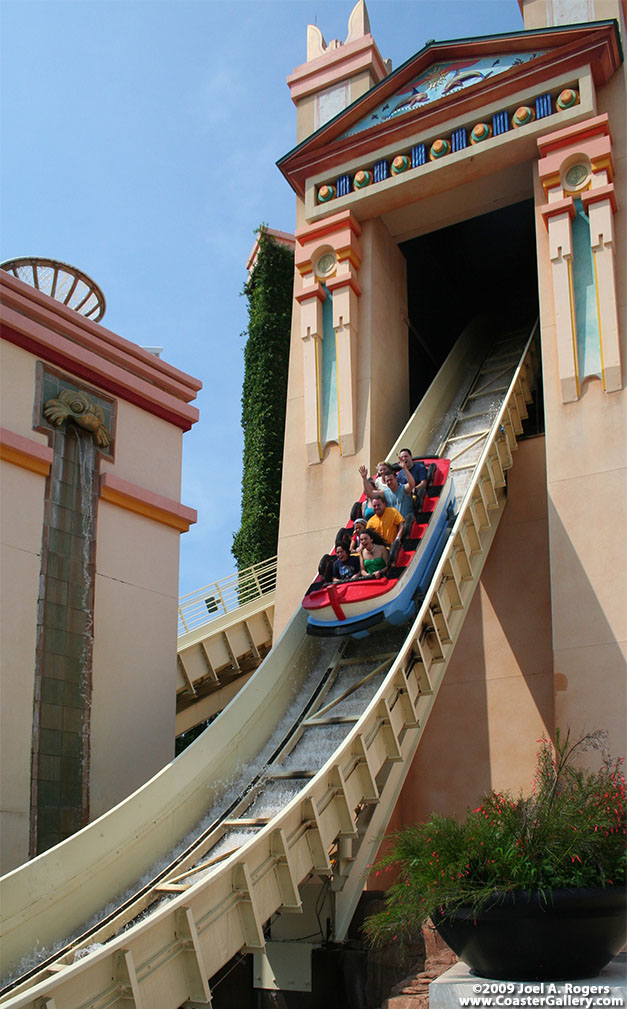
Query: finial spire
[(358, 22), (358, 26)]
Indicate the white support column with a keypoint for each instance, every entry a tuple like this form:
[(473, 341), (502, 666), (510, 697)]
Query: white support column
[(346, 324), (557, 217), (311, 336)]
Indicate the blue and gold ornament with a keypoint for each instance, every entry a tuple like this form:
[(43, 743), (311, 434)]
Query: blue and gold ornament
[(362, 179), (480, 131), (326, 193), (439, 149), (523, 115), (400, 164)]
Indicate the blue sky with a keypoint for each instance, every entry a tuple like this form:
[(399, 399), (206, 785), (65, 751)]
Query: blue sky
[(139, 142)]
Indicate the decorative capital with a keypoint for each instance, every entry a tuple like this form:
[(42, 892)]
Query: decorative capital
[(577, 158), (317, 291), (565, 206), (338, 234), (600, 194)]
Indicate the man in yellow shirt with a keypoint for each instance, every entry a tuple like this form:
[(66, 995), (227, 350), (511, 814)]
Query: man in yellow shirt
[(388, 522)]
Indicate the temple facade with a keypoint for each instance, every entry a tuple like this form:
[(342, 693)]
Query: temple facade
[(481, 184), (474, 196)]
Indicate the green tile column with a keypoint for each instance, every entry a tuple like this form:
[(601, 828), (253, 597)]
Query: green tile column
[(63, 681)]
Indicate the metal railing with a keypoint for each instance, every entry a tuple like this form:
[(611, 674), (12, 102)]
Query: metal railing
[(224, 596)]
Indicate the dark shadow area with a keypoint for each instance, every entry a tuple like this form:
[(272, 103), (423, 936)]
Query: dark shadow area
[(455, 745), (523, 619), (520, 555), (533, 424), (487, 263), (233, 984)]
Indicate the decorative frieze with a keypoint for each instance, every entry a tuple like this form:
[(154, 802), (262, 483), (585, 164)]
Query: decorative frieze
[(437, 149)]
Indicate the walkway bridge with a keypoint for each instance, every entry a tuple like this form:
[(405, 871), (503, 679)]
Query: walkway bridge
[(225, 630), (264, 827)]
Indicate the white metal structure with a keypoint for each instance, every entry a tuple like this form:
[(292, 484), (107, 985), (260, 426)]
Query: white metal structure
[(225, 630), (230, 594)]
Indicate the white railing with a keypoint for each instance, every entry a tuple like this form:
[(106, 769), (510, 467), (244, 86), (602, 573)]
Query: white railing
[(224, 596)]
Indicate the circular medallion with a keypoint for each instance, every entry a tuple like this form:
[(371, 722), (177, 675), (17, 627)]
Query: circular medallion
[(575, 175), (325, 264), (400, 164), (439, 148), (523, 116)]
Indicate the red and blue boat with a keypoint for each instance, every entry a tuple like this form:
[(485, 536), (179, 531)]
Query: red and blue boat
[(353, 607)]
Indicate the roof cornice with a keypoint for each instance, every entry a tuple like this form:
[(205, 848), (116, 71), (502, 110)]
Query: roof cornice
[(596, 44), (61, 336)]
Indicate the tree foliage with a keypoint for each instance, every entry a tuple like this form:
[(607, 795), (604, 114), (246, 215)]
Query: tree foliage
[(266, 358)]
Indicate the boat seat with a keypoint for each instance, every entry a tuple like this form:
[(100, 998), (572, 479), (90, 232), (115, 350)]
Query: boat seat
[(403, 558), (417, 530)]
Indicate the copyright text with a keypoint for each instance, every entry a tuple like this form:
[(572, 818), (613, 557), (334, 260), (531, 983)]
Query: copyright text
[(520, 995)]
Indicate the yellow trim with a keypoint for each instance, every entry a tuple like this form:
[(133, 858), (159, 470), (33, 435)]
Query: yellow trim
[(24, 460), (579, 190), (149, 509), (551, 182), (573, 322), (596, 291), (351, 256), (603, 164)]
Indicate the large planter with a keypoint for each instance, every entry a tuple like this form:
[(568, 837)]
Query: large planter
[(524, 936)]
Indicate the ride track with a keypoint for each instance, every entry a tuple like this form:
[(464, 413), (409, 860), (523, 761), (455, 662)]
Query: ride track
[(260, 808)]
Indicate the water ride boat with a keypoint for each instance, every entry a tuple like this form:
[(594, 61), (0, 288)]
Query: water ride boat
[(352, 607)]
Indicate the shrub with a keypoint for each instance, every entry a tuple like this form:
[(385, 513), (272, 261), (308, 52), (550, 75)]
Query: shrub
[(570, 832)]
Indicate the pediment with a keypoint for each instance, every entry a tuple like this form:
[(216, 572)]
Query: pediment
[(445, 80), (440, 80)]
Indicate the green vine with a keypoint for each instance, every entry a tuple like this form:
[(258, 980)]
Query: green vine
[(264, 393)]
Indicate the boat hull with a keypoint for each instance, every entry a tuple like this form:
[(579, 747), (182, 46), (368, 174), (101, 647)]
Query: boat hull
[(356, 607)]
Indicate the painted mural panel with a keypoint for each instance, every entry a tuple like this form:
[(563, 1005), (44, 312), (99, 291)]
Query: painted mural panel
[(586, 315), (439, 81), (329, 405)]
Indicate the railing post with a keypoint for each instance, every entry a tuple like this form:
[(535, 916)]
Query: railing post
[(261, 577), (221, 597), (256, 577)]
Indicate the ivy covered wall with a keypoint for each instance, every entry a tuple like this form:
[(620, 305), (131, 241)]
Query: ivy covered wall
[(266, 357)]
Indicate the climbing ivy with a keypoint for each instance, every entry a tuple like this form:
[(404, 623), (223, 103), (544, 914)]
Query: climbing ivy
[(266, 357)]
